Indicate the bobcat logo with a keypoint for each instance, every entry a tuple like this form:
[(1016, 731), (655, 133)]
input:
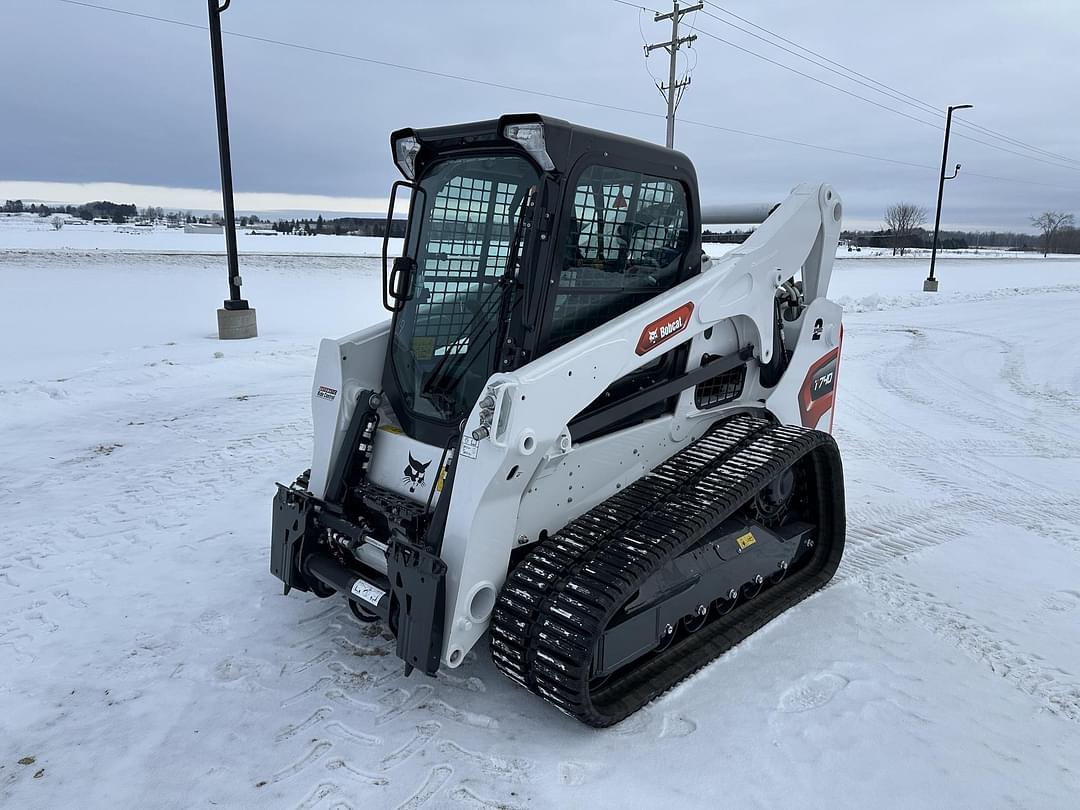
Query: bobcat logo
[(413, 475), (653, 335)]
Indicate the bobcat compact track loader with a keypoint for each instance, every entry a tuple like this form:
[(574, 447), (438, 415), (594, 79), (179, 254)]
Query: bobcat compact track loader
[(576, 432)]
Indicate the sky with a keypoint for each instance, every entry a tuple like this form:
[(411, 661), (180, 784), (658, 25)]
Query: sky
[(94, 97)]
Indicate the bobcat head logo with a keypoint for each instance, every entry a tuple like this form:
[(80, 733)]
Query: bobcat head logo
[(414, 474), (652, 335)]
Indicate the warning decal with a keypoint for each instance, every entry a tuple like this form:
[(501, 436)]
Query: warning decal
[(745, 541)]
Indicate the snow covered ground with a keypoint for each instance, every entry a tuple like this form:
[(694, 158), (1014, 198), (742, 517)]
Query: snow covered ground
[(149, 659)]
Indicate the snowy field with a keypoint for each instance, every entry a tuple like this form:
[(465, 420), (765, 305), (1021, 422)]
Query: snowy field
[(29, 232), (149, 659)]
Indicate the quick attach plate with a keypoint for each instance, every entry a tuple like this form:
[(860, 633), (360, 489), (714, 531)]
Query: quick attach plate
[(418, 598)]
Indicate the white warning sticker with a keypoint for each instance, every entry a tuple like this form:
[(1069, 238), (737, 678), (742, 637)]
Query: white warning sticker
[(368, 592), (469, 446)]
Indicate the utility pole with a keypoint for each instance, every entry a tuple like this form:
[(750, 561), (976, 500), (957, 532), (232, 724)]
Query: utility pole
[(235, 319), (931, 283), (672, 47)]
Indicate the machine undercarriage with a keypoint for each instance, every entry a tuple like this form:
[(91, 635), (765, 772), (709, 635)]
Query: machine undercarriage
[(644, 589)]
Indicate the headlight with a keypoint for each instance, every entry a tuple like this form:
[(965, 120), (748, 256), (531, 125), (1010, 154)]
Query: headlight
[(405, 152), (531, 137)]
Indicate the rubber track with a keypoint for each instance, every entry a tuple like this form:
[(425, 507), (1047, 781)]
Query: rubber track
[(559, 599)]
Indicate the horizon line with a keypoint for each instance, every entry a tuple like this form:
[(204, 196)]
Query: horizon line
[(179, 198)]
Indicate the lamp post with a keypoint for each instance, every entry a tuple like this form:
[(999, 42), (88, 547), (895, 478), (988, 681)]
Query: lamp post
[(235, 319), (931, 284)]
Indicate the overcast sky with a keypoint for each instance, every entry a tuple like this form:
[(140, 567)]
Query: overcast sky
[(91, 96)]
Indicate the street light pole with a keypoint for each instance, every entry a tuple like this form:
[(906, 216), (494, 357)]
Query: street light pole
[(931, 284), (235, 319)]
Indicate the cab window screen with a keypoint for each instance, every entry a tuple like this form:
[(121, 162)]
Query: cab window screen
[(626, 240)]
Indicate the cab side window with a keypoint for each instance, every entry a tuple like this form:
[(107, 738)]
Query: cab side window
[(625, 240)]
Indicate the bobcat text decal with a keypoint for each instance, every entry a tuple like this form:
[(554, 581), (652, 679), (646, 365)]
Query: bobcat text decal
[(665, 328)]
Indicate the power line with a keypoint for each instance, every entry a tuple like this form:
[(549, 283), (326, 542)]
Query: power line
[(878, 104), (635, 5), (910, 98), (545, 94), (807, 50), (870, 83), (366, 59)]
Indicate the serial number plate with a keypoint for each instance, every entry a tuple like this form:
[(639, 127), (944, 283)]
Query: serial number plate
[(368, 592)]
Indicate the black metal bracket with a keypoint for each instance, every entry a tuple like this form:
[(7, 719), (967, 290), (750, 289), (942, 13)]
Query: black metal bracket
[(601, 417), (353, 456), (292, 518), (392, 301), (417, 604)]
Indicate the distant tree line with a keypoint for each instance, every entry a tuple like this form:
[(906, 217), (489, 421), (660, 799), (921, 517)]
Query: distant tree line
[(101, 209), (1063, 239), (726, 237), (947, 240), (903, 229), (1067, 241), (355, 226)]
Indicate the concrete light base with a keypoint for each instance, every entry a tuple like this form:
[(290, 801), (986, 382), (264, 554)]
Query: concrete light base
[(930, 285), (236, 324)]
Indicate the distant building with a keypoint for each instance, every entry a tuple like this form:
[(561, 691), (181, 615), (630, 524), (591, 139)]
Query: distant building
[(203, 227)]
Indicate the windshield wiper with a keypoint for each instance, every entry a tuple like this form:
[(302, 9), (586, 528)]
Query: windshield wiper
[(444, 375), (448, 370)]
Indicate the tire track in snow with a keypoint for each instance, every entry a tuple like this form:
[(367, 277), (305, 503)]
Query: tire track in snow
[(359, 776), (1059, 690), (465, 796), (316, 796), (896, 532), (433, 783), (941, 390), (352, 735), (443, 709), (516, 770), (877, 536), (292, 731), (1012, 372), (379, 697), (302, 763), (425, 733)]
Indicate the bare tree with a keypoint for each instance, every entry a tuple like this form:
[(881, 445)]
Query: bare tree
[(903, 219), (1049, 224), (57, 223)]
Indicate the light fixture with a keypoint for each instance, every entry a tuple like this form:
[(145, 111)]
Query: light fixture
[(406, 148), (531, 138)]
